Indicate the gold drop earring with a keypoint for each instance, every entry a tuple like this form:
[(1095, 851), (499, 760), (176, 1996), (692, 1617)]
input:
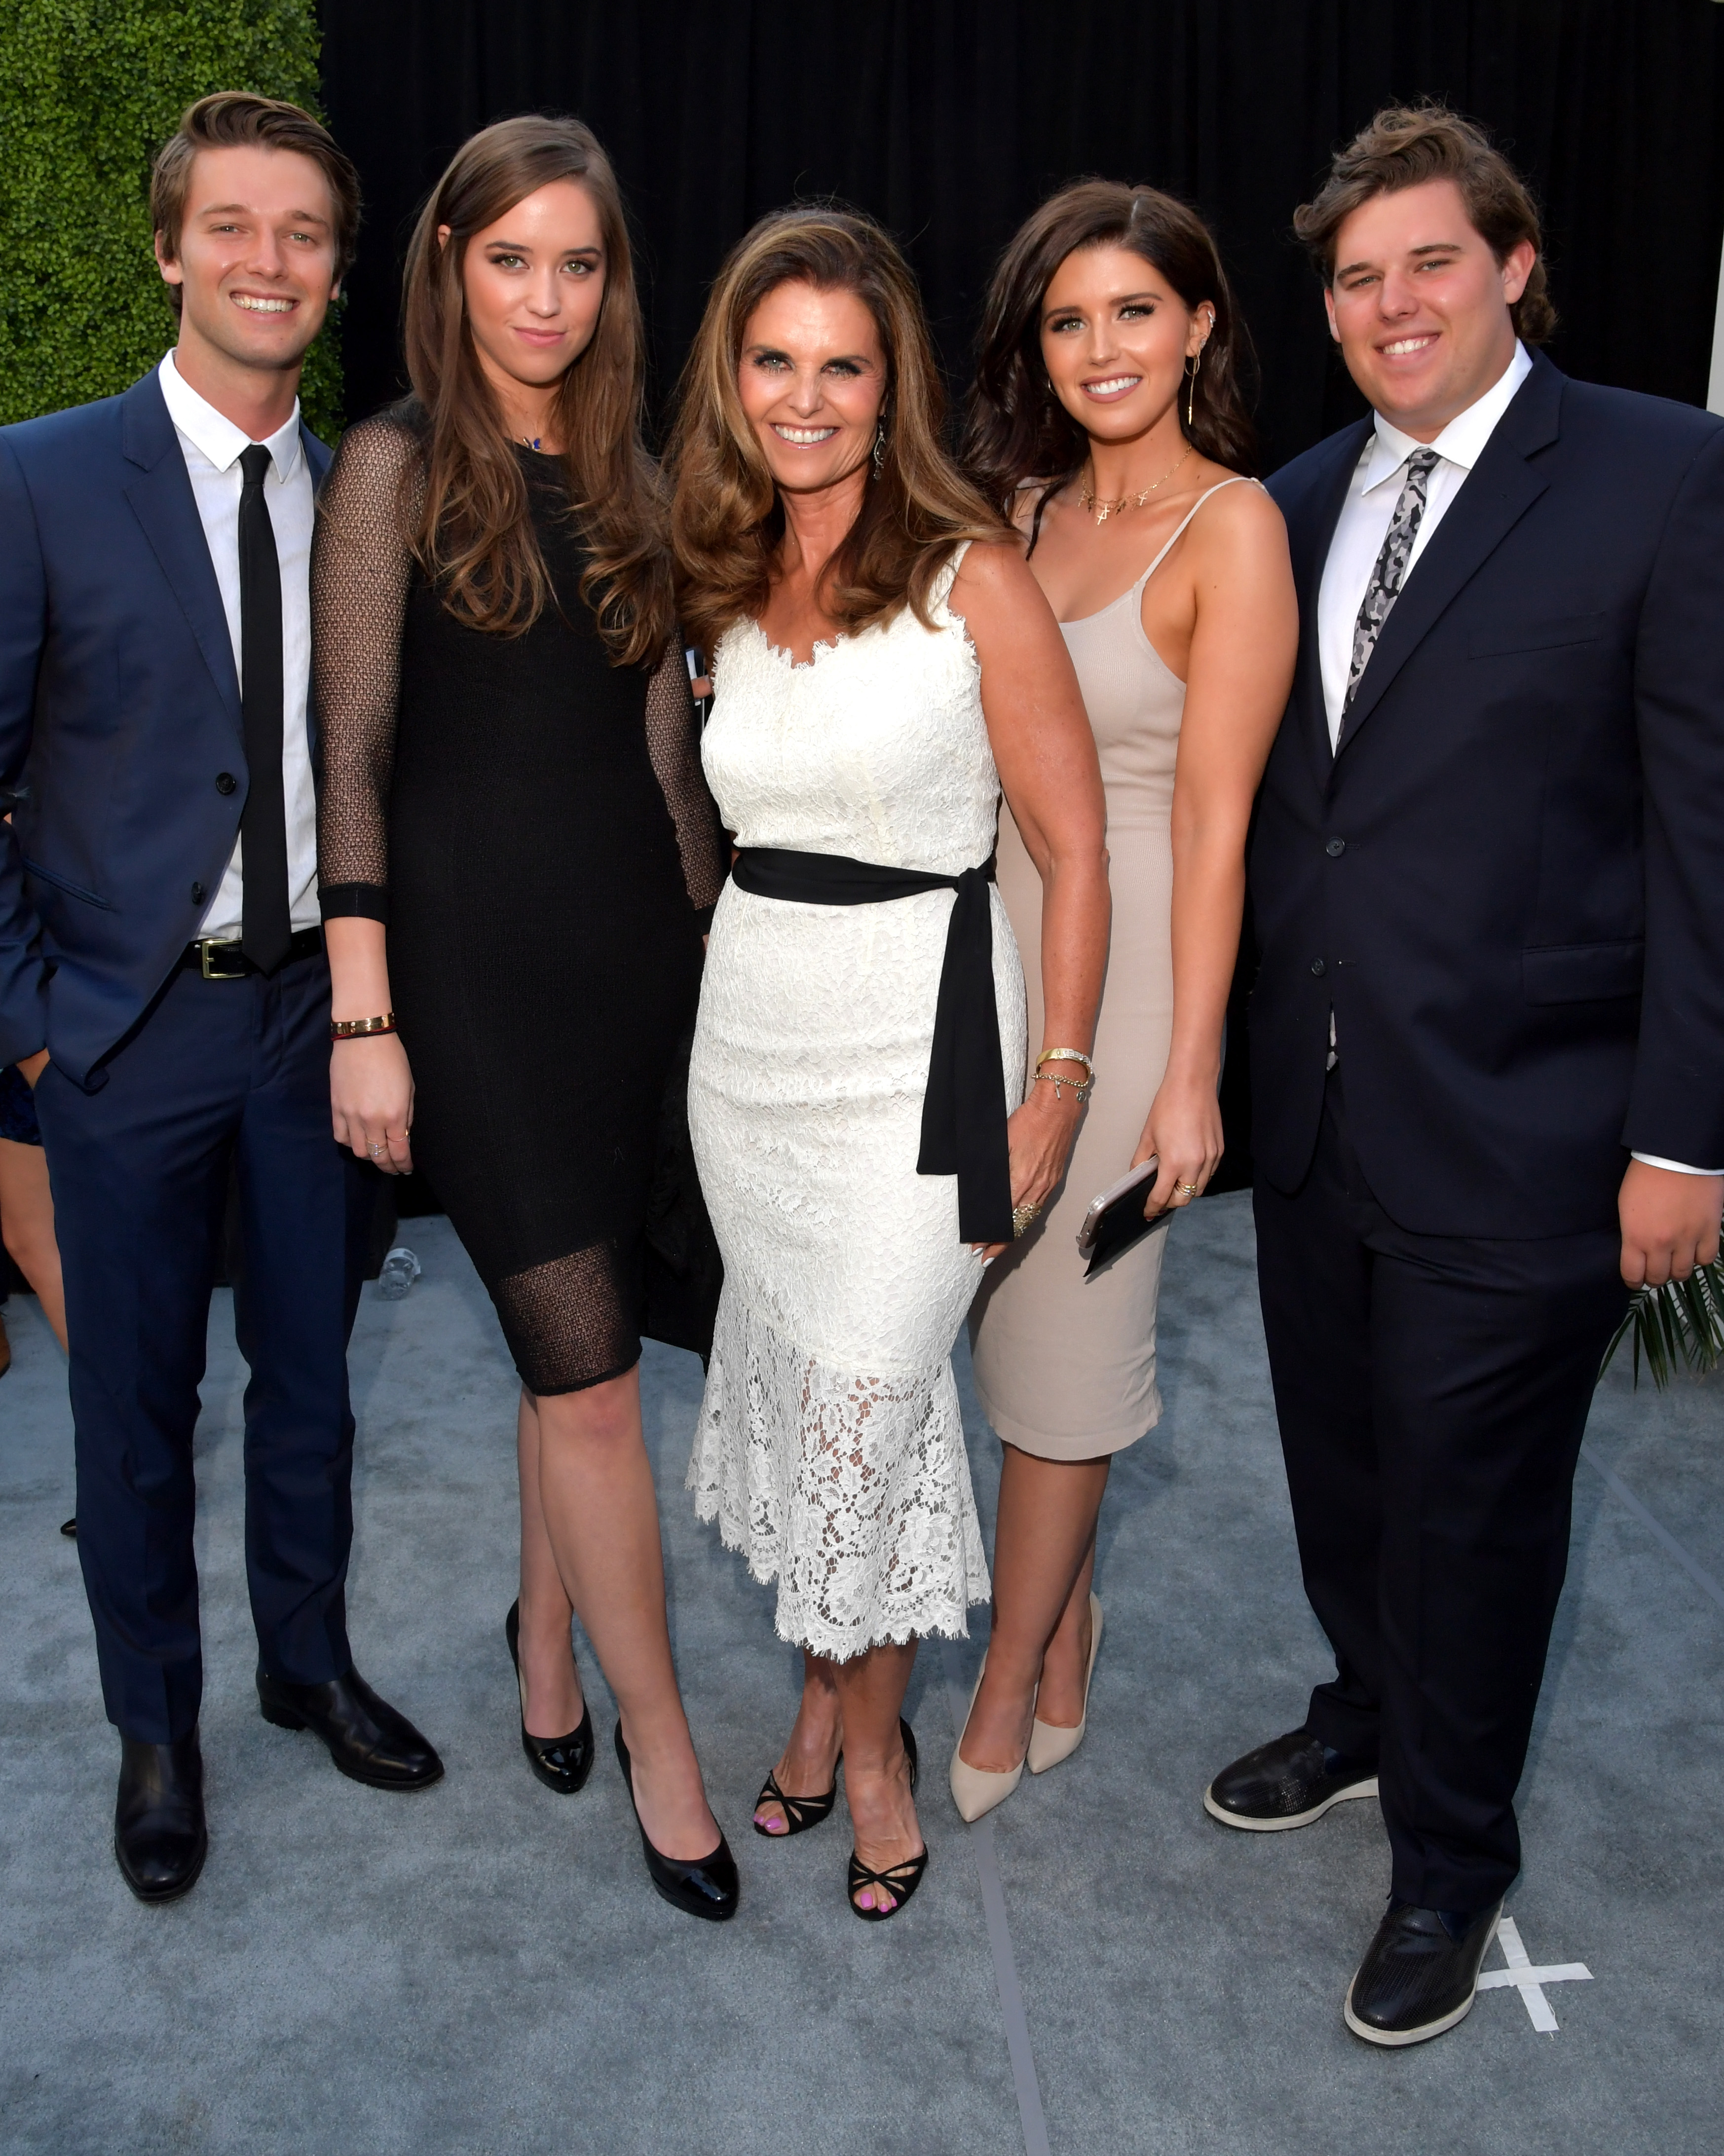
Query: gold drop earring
[(1190, 394)]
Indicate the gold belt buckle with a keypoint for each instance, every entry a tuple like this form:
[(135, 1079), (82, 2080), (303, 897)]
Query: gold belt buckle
[(207, 950)]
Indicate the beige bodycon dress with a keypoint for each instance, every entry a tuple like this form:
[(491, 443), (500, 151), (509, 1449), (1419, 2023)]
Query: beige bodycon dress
[(1066, 1366)]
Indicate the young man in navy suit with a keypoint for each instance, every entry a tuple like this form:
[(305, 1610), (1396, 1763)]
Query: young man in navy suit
[(163, 982), (1487, 1034)]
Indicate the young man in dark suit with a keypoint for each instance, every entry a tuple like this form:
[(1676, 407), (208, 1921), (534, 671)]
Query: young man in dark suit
[(1487, 1034), (163, 982)]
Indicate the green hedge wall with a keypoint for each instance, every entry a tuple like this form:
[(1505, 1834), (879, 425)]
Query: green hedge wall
[(89, 89)]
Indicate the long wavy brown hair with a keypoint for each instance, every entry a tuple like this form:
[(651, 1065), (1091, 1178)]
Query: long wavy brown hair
[(726, 520), (475, 535), (1016, 428)]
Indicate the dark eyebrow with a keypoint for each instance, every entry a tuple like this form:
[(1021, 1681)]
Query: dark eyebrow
[(525, 247), (832, 358), (1430, 247), (1117, 300), (245, 209)]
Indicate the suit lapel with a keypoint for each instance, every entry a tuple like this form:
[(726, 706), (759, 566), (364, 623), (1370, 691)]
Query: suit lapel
[(317, 457), (1310, 536), (160, 492), (1496, 494)]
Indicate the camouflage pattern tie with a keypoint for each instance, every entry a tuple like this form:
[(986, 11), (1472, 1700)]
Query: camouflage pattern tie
[(1390, 571)]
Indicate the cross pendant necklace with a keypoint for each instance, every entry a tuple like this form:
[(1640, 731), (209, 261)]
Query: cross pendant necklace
[(1104, 509)]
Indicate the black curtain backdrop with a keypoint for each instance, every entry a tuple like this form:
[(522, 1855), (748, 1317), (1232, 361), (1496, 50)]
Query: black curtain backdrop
[(949, 119)]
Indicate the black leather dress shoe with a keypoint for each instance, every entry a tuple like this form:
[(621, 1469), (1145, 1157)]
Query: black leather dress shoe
[(1420, 1974), (159, 1838), (366, 1738), (1289, 1782), (707, 1888)]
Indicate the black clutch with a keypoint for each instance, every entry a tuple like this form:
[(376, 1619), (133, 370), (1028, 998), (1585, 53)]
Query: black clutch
[(1116, 1222)]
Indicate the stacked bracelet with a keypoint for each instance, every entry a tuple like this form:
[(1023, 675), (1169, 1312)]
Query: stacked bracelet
[(1078, 1087), (351, 1029)]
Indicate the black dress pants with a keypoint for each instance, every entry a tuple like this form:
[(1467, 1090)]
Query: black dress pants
[(1432, 1391)]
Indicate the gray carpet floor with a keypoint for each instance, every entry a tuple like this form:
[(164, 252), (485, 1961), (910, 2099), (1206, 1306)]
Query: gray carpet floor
[(1100, 1969)]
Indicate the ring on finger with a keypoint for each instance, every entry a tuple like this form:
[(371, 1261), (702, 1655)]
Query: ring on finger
[(1023, 1217), (377, 1153), (1186, 1189)]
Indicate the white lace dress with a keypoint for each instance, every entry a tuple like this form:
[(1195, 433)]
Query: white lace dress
[(830, 1448)]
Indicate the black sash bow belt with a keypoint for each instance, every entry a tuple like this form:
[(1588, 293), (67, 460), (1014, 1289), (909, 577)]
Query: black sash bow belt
[(964, 1108)]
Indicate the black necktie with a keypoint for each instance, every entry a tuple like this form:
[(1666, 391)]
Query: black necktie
[(266, 928)]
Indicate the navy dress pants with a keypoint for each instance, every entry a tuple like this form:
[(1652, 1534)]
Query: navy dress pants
[(1432, 1392), (218, 1073)]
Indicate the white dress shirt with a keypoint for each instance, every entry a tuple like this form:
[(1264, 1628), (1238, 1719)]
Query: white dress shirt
[(1370, 505), (1363, 526), (212, 446)]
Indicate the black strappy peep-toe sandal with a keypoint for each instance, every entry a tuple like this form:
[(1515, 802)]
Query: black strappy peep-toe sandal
[(800, 1813), (900, 1881)]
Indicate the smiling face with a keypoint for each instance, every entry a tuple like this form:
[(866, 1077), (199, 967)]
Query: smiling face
[(255, 263), (812, 376), (534, 284), (1115, 339), (1419, 305)]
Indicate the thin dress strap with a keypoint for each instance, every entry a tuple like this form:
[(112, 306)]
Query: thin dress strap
[(1239, 479)]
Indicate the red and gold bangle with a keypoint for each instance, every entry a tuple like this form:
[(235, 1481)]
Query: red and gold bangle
[(353, 1029)]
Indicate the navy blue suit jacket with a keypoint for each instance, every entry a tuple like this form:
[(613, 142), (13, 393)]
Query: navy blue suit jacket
[(119, 710), (1509, 882)]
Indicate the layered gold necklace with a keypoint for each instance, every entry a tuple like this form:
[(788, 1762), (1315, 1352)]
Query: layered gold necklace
[(1104, 509)]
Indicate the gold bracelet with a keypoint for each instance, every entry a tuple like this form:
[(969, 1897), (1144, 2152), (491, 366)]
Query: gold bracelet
[(351, 1029), (1065, 1055), (1079, 1088)]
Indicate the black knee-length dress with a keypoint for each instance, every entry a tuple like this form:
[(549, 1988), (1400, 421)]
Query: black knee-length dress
[(531, 823)]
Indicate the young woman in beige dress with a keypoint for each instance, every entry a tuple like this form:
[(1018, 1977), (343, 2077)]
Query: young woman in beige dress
[(1107, 416)]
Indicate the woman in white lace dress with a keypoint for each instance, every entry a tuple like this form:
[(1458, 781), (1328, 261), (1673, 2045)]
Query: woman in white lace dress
[(883, 664)]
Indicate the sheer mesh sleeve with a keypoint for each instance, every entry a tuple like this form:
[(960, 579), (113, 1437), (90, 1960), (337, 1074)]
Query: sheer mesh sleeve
[(673, 743), (361, 569)]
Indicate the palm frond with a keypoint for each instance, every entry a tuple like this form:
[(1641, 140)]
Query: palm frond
[(1677, 1326)]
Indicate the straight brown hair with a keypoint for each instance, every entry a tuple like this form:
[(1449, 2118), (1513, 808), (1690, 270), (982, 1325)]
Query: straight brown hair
[(726, 520), (234, 119), (474, 536), (1016, 428), (1403, 146)]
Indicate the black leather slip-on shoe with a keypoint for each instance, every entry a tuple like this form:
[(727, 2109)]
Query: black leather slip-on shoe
[(1420, 1974), (1287, 1783)]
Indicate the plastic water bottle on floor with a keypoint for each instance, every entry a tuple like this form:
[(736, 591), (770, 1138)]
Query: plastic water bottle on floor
[(400, 1269)]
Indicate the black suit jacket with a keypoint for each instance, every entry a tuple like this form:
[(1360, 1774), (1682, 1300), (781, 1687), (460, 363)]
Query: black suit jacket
[(1509, 882)]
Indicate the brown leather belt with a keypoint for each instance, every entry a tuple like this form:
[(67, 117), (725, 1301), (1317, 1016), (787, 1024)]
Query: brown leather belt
[(220, 958)]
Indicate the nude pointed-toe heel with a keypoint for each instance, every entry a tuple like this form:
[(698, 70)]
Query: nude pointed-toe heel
[(974, 1790), (1049, 1744)]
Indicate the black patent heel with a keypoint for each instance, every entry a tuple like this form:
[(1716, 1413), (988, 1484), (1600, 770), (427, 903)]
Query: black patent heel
[(561, 1764), (800, 1813), (900, 1881), (707, 1888)]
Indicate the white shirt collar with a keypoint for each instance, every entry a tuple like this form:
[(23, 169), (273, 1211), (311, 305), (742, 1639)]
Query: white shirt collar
[(215, 436), (1462, 441)]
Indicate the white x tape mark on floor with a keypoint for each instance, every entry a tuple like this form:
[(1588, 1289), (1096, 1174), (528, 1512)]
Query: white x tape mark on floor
[(1527, 1980)]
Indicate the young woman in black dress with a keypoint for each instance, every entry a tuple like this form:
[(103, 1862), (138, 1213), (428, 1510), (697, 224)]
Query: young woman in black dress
[(518, 860)]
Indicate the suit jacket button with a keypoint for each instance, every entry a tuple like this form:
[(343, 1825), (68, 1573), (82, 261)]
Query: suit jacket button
[(197, 893), (1335, 849), (226, 782), (1318, 968)]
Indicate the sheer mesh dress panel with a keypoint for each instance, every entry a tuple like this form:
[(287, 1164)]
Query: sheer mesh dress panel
[(532, 824)]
